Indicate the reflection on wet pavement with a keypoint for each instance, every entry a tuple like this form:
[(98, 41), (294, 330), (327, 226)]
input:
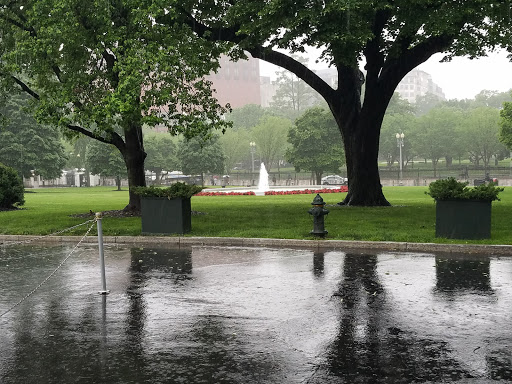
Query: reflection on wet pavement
[(248, 315)]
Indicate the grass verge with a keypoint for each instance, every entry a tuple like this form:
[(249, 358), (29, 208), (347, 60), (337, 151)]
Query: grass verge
[(411, 218)]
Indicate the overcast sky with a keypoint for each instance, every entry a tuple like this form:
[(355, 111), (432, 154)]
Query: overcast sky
[(463, 78), (460, 79)]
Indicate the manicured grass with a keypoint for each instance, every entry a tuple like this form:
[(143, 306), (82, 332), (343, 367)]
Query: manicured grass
[(410, 219)]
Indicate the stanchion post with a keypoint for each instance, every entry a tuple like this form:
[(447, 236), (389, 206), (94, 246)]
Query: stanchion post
[(102, 256)]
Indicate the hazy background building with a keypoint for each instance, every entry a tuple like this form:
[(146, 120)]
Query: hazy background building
[(240, 83), (237, 83), (418, 83)]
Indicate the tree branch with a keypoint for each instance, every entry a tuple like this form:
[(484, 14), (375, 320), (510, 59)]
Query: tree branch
[(114, 139), (372, 52), (25, 88), (284, 61), (411, 58), (230, 34)]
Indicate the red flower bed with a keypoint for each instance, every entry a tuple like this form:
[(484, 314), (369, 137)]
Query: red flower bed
[(225, 193), (343, 188)]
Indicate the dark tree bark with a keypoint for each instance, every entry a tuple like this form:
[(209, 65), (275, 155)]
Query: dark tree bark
[(133, 154), (132, 150)]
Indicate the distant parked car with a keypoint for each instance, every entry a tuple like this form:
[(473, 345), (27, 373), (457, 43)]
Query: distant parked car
[(334, 180)]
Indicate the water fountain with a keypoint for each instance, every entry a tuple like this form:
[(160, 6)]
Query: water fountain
[(263, 181)]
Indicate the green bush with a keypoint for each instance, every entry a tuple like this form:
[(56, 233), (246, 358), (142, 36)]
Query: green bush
[(175, 190), (451, 189), (11, 188)]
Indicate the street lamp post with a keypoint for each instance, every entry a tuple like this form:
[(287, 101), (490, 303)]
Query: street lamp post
[(400, 144), (252, 144)]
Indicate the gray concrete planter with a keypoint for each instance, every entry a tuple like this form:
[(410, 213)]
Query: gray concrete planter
[(160, 215), (463, 219)]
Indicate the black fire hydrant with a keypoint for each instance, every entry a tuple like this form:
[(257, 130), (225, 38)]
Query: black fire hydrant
[(318, 211)]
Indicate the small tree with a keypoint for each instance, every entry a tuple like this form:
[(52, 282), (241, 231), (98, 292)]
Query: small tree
[(161, 152), (481, 133), (505, 123), (434, 134), (105, 160), (11, 188), (199, 155), (293, 96), (247, 116), (270, 137), (235, 147), (314, 145)]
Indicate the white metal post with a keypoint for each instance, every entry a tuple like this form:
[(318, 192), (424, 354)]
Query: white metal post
[(102, 256)]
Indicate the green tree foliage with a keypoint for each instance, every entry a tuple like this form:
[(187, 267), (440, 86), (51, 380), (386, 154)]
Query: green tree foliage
[(77, 150), (399, 118), (492, 99), (200, 155), (161, 157), (293, 95), (105, 68), (434, 136), (426, 102), (482, 134), (505, 123), (391, 37), (235, 146), (313, 143), (27, 146), (270, 138), (105, 160), (247, 116), (393, 124), (11, 188)]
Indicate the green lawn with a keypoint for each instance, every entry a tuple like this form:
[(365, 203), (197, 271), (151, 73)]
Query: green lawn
[(410, 219)]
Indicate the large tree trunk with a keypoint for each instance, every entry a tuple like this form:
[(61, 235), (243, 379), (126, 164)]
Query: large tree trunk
[(134, 156), (360, 129), (361, 149)]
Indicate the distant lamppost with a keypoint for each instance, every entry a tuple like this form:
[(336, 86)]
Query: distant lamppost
[(252, 144), (400, 144)]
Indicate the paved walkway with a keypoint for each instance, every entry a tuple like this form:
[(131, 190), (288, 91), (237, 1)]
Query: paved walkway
[(484, 249)]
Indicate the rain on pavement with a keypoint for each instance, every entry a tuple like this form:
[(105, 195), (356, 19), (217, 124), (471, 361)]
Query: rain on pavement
[(254, 315)]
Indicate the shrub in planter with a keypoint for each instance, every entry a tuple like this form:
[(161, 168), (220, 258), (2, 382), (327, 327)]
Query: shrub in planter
[(181, 190), (166, 210), (451, 189), (11, 188), (463, 212)]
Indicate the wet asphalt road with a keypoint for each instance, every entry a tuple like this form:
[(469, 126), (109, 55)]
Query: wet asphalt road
[(248, 315)]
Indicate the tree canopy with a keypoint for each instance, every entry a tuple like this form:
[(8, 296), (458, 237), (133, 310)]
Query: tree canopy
[(270, 137), (313, 144), (105, 69), (105, 160), (392, 37), (505, 123), (162, 155), (199, 155), (29, 147)]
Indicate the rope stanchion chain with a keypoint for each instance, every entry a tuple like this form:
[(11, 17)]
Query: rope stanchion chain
[(54, 271)]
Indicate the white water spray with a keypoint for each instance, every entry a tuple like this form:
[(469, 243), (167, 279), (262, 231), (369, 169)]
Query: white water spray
[(263, 181)]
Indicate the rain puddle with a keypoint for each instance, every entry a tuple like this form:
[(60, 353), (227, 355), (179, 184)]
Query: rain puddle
[(253, 315)]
